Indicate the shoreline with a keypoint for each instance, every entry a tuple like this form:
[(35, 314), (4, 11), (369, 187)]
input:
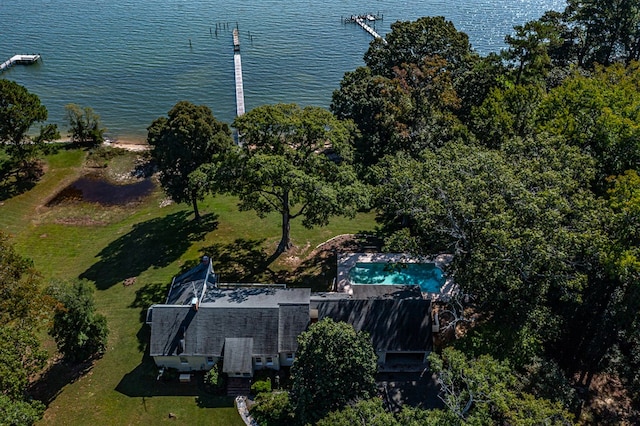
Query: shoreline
[(128, 143)]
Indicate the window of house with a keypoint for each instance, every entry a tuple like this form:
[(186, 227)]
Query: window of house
[(184, 360), (269, 360), (289, 356), (209, 360), (258, 360)]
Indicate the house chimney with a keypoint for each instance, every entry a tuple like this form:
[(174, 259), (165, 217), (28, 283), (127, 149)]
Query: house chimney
[(194, 299)]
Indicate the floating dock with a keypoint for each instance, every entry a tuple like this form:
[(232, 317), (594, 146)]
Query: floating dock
[(237, 62), (362, 20), (19, 59)]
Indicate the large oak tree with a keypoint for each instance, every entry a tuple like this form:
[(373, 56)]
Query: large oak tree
[(296, 162), (190, 137)]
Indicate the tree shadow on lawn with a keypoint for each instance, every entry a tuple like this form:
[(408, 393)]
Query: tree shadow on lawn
[(242, 261), (59, 374), (156, 242), (11, 186), (145, 297)]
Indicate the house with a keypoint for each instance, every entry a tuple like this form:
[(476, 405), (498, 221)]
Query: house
[(256, 327), (249, 327)]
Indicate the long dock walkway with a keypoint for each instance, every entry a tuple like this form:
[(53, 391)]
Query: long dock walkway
[(19, 59), (237, 62), (360, 20)]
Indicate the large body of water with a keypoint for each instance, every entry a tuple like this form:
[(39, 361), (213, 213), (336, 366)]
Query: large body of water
[(132, 60)]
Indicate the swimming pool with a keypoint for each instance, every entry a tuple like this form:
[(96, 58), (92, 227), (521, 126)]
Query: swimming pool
[(428, 276)]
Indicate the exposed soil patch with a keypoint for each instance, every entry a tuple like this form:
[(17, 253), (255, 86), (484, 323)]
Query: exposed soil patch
[(609, 403)]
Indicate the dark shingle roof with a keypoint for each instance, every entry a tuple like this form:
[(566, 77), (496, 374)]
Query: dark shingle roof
[(191, 283), (205, 330), (393, 324), (272, 317), (293, 321), (373, 291), (237, 355)]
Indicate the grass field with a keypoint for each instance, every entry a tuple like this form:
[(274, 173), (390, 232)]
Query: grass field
[(151, 241)]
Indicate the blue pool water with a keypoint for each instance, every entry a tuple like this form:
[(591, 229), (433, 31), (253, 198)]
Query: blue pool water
[(428, 276)]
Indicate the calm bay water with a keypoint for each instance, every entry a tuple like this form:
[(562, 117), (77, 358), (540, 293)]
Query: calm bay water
[(132, 60)]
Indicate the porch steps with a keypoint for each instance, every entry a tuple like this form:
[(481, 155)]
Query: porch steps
[(238, 386)]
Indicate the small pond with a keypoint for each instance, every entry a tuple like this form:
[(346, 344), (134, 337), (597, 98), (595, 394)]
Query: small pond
[(95, 189)]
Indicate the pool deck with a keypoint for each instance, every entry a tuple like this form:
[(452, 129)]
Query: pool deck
[(346, 261)]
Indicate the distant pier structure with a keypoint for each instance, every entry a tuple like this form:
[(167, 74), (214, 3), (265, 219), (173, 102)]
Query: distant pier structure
[(363, 22), (237, 62), (19, 59)]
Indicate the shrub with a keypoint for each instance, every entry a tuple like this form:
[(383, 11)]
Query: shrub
[(273, 409), (261, 386), (215, 378)]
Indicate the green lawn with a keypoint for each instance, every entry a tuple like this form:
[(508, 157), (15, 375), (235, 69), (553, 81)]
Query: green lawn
[(151, 243)]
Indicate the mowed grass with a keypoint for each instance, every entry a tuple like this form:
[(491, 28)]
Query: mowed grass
[(151, 243)]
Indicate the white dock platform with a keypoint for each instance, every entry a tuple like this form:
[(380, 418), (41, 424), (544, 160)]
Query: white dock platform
[(19, 59), (237, 62), (358, 20)]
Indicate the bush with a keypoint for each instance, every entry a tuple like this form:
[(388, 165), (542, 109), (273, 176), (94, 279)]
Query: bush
[(273, 409), (261, 386), (84, 125), (215, 378)]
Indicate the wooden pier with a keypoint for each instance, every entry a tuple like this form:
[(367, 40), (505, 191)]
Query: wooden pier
[(236, 40), (19, 59), (237, 62), (361, 20)]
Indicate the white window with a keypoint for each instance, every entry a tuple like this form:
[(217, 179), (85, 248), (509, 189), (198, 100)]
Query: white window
[(289, 356), (258, 360), (269, 360), (209, 360), (184, 360)]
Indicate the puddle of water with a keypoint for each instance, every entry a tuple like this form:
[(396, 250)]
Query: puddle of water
[(94, 189)]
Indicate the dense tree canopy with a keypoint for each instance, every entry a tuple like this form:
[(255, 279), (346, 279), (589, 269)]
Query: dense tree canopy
[(410, 42), (529, 181), (405, 99), (189, 138), (296, 162), (334, 365), (600, 114), (23, 308), (19, 111), (78, 330), (483, 391)]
